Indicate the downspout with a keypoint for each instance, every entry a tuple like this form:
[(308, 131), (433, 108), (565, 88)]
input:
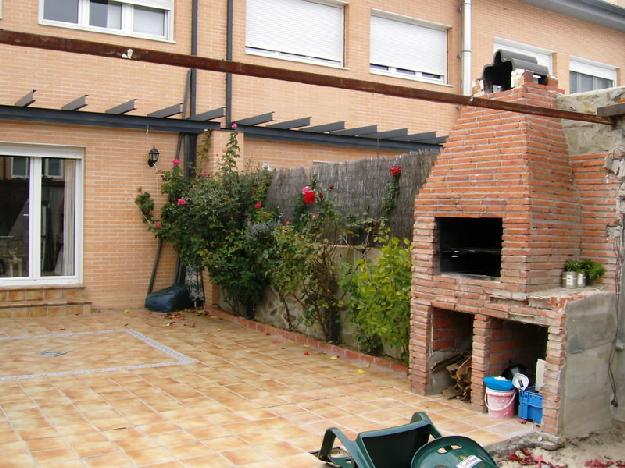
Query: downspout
[(465, 54), (229, 28), (191, 139)]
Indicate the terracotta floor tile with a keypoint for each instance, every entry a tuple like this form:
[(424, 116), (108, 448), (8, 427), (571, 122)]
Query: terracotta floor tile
[(17, 461), (256, 398), (244, 456)]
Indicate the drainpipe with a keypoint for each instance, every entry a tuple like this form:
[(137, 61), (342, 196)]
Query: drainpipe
[(191, 139), (465, 54), (229, 28)]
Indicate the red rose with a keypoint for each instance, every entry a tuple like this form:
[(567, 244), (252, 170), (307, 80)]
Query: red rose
[(309, 197), (176, 162), (157, 225), (330, 187), (395, 171), (234, 126), (182, 202), (258, 205)]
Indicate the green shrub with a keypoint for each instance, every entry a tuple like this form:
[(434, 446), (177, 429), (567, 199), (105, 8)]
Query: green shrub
[(378, 295)]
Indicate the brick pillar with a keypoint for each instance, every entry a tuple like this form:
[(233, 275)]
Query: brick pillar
[(553, 372), (480, 362), (420, 344)]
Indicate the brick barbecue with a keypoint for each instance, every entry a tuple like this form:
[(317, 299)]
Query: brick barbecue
[(503, 209)]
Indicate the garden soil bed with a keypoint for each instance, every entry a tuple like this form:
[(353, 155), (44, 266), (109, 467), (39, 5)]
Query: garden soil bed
[(605, 449)]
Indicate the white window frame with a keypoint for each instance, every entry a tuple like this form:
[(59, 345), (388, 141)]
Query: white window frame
[(37, 153), (127, 21), (501, 43), (593, 68), (417, 22), (250, 50)]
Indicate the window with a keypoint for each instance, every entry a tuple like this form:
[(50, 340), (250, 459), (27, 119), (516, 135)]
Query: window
[(298, 30), (408, 49), (41, 216), (587, 76), (151, 19), (543, 56)]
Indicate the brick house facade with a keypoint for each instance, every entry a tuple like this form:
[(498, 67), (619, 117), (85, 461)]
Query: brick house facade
[(116, 251)]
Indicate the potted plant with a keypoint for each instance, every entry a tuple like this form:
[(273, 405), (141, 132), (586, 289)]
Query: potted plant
[(578, 272)]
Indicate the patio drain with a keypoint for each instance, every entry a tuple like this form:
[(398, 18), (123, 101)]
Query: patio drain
[(53, 353)]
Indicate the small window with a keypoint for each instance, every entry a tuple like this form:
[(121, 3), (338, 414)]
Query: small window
[(408, 49), (587, 76), (298, 30), (151, 19), (53, 168), (19, 168), (65, 11)]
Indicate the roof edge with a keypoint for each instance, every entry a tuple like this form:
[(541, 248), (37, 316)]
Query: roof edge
[(594, 11)]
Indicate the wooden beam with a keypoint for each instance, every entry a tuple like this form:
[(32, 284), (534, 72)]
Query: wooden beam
[(78, 46), (76, 104), (26, 100), (615, 110), (122, 108), (167, 112)]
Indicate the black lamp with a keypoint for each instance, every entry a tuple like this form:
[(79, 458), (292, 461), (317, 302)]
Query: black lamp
[(154, 154)]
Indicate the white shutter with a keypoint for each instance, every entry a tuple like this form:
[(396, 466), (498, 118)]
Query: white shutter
[(593, 69), (297, 27), (406, 45), (543, 56), (162, 4)]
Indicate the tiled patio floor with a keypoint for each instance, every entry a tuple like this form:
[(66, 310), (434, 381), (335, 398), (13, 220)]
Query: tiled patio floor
[(117, 389)]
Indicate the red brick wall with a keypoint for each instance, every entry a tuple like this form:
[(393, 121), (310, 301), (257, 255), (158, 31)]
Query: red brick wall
[(597, 194), (451, 331)]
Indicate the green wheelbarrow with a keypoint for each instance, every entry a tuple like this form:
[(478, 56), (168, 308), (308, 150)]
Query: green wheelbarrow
[(414, 445)]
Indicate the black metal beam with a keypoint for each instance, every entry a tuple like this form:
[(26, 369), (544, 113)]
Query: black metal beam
[(167, 111), (295, 123), (95, 119), (76, 104), (27, 99), (417, 137), (331, 127), (209, 115), (257, 119), (263, 133), (398, 132), (357, 131), (122, 108)]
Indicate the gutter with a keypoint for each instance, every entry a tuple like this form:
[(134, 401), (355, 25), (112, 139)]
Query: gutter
[(594, 11)]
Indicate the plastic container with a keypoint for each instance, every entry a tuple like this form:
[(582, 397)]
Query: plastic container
[(501, 384), (531, 406), (500, 404)]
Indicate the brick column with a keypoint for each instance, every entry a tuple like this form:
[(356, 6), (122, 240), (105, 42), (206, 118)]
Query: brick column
[(555, 358), (480, 363), (420, 344)]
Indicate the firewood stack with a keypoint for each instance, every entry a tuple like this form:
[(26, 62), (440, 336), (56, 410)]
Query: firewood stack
[(460, 371)]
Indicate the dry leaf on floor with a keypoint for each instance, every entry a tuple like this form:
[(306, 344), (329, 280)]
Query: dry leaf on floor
[(360, 371)]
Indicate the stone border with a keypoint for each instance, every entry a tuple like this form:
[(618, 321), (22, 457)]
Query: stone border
[(313, 343), (179, 358)]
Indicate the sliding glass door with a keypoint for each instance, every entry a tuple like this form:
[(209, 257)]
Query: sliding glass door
[(40, 216)]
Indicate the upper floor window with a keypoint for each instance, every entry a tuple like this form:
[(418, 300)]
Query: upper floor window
[(150, 19), (543, 56), (588, 76), (298, 30), (408, 48)]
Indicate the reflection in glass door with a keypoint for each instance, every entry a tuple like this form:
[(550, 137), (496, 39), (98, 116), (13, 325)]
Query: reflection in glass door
[(14, 216), (39, 218)]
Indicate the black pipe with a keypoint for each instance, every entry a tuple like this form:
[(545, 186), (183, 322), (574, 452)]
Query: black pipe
[(229, 28), (191, 140)]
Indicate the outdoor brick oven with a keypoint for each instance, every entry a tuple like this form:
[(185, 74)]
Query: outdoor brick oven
[(494, 224)]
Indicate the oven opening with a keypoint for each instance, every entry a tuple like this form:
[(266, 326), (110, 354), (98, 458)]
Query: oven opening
[(470, 246)]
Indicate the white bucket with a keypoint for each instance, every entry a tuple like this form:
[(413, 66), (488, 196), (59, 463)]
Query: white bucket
[(500, 404)]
